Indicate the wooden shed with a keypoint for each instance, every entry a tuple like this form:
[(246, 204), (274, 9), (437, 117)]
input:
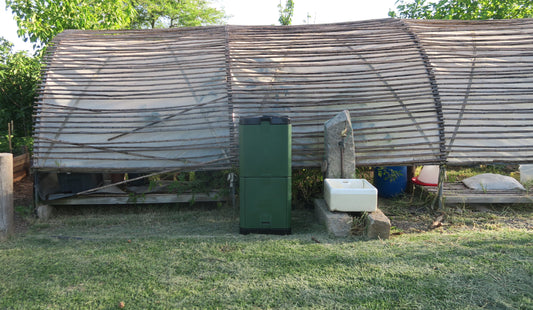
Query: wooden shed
[(419, 92)]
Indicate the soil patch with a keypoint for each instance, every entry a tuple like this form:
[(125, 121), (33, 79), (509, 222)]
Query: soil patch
[(23, 204)]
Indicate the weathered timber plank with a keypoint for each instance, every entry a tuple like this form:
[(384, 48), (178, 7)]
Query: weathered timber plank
[(458, 193), (147, 199), (486, 198), (21, 167)]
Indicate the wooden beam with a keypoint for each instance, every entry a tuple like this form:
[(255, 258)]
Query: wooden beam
[(6, 195), (139, 199), (457, 193), (21, 167), (486, 198)]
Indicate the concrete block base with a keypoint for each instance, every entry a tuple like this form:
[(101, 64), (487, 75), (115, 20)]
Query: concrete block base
[(377, 225), (7, 219), (45, 212), (338, 223)]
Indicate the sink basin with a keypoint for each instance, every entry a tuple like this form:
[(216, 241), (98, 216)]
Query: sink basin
[(350, 195)]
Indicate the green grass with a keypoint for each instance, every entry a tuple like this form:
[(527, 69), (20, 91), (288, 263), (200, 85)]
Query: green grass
[(169, 257)]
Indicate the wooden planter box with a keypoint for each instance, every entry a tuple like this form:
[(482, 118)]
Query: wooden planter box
[(21, 167)]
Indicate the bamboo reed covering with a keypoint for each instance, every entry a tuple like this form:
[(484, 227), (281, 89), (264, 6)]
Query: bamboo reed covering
[(134, 101), (418, 92), (311, 73), (484, 72)]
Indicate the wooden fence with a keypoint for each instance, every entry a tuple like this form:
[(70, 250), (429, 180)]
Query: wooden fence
[(21, 166)]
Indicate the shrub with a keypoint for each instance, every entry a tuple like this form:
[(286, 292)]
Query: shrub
[(19, 78)]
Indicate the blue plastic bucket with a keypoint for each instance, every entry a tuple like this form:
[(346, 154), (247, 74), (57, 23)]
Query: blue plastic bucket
[(390, 181)]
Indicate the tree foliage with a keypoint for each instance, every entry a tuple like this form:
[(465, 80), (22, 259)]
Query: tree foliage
[(19, 77), (175, 13), (40, 20), (463, 9), (286, 13)]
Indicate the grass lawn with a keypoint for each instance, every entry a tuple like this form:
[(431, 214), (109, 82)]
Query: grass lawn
[(193, 257)]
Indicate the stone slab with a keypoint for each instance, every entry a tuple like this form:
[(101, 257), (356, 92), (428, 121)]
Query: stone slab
[(337, 131), (377, 225), (45, 212), (338, 223)]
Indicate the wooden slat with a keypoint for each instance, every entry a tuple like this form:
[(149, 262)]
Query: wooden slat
[(21, 166), (110, 199), (458, 193)]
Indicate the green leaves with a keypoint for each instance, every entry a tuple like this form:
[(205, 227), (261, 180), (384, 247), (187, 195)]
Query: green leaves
[(175, 13), (20, 75), (463, 9), (286, 13), (39, 21)]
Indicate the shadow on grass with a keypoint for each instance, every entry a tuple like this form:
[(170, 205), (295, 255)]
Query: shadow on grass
[(169, 221), (466, 270)]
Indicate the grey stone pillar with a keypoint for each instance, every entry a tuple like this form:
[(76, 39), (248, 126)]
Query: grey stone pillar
[(6, 195), (339, 147)]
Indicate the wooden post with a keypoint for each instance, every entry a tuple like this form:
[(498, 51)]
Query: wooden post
[(6, 195), (9, 134), (410, 174)]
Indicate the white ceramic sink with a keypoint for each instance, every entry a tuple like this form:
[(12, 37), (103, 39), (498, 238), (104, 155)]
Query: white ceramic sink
[(350, 195)]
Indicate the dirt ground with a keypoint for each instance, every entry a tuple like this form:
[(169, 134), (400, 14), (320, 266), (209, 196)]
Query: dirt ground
[(23, 192), (22, 200), (416, 216)]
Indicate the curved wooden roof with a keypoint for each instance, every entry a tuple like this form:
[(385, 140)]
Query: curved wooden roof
[(418, 92)]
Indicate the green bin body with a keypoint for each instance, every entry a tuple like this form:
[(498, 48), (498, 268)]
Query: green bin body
[(265, 175)]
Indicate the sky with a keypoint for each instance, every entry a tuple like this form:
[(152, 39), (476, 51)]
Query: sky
[(257, 12)]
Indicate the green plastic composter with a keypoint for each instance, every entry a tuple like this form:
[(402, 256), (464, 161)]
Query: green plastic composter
[(265, 175)]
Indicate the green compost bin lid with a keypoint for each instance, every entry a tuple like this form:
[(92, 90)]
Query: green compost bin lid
[(265, 146), (272, 119)]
